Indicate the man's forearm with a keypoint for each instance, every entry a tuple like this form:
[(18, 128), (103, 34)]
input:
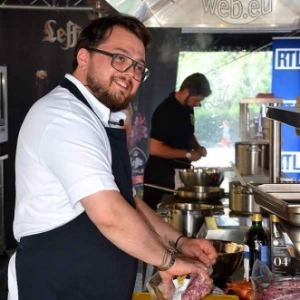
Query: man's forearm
[(167, 233)]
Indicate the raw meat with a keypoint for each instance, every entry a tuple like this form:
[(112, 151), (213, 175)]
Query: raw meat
[(198, 288), (282, 289)]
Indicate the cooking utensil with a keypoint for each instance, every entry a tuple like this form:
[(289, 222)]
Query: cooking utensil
[(201, 176), (238, 174), (252, 157), (185, 217), (193, 192), (241, 199), (230, 256), (281, 199)]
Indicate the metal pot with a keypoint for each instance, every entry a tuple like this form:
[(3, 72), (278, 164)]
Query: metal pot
[(185, 217), (241, 199), (194, 192), (252, 157), (201, 176)]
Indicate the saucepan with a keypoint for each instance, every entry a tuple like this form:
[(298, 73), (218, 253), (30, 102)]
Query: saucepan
[(193, 192), (185, 217)]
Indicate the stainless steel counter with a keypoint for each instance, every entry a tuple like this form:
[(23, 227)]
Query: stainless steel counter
[(223, 224), (229, 226)]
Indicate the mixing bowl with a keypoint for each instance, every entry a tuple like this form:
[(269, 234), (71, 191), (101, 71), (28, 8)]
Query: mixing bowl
[(201, 176), (230, 256)]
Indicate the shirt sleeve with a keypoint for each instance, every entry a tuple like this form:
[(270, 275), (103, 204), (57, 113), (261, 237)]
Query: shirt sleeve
[(76, 150)]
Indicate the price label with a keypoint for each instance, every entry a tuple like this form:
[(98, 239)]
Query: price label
[(280, 258)]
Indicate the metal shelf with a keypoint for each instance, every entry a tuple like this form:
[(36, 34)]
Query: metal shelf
[(289, 116)]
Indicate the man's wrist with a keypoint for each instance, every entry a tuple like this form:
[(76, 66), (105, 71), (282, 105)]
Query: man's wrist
[(177, 241), (165, 265), (188, 155)]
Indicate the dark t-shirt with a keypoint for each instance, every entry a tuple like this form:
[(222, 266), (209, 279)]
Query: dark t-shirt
[(172, 124)]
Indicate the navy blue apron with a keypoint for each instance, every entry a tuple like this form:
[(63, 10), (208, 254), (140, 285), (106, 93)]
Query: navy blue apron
[(75, 261)]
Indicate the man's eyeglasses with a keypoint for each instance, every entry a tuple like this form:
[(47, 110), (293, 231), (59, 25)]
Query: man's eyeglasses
[(122, 63)]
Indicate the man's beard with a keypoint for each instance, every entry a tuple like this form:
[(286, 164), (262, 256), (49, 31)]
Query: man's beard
[(115, 102), (186, 105)]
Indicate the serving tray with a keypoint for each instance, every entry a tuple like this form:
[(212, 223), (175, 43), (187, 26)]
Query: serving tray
[(280, 199)]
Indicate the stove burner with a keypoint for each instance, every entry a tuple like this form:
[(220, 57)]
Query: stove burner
[(216, 204)]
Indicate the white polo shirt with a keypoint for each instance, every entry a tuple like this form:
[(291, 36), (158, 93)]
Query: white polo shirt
[(63, 155)]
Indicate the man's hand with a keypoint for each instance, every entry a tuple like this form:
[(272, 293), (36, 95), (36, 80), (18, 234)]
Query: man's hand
[(198, 249), (202, 151), (197, 154)]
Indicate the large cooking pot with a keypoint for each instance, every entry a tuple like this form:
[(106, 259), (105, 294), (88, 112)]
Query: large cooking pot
[(199, 193), (187, 218), (241, 199), (201, 176), (252, 157)]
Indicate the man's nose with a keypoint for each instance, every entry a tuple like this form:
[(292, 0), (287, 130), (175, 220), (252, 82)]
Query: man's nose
[(130, 70)]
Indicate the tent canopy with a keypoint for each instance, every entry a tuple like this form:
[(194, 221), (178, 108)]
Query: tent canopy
[(215, 15)]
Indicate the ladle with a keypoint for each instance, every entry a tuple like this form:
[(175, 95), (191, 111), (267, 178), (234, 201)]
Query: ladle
[(238, 174)]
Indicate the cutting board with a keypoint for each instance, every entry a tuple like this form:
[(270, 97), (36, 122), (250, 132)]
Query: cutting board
[(146, 296)]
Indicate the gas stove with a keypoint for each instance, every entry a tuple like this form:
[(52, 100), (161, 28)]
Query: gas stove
[(216, 204)]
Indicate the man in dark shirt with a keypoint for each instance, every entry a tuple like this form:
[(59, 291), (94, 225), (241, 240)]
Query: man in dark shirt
[(173, 144)]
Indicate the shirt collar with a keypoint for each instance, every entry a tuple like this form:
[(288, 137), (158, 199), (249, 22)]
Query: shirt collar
[(100, 110)]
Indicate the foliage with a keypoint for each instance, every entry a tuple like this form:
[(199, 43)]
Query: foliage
[(233, 76)]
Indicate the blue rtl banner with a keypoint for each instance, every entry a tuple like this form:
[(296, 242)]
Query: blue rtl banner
[(286, 85)]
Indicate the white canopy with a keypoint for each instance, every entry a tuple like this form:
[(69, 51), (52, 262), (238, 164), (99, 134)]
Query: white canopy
[(215, 15)]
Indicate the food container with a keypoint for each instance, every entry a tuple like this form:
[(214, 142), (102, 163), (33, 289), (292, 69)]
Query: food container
[(241, 199), (156, 289), (252, 157), (146, 296), (185, 217), (141, 296), (280, 199)]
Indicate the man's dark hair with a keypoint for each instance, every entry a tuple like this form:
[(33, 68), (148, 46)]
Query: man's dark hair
[(197, 84), (100, 29)]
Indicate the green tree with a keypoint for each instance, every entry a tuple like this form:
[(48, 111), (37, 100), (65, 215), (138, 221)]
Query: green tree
[(233, 76)]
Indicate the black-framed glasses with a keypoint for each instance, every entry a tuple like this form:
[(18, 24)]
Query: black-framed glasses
[(122, 63)]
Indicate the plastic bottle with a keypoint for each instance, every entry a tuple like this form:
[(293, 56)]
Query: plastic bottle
[(281, 262), (256, 245)]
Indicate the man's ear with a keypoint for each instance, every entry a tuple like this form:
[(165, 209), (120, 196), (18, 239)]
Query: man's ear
[(83, 57)]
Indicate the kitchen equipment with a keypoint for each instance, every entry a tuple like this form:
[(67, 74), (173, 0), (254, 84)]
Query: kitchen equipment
[(230, 256), (241, 199), (201, 176), (252, 157), (200, 193), (155, 293), (185, 217), (146, 296), (280, 199), (283, 200)]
